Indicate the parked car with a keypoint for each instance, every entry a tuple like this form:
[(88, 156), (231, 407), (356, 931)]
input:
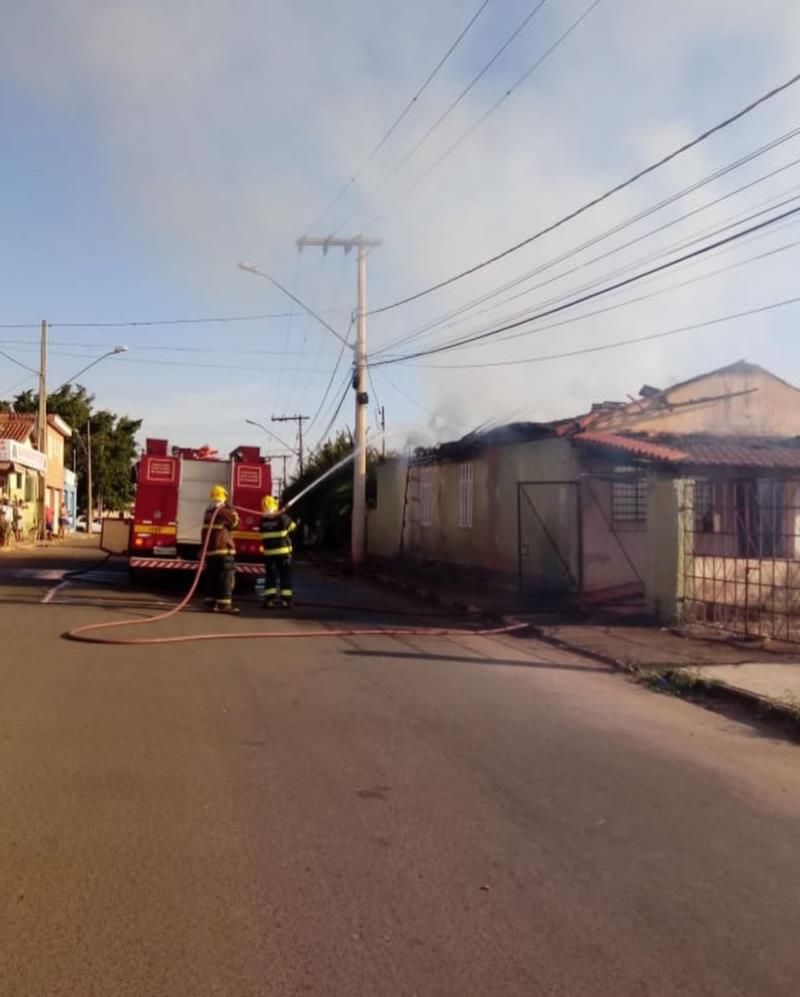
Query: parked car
[(80, 524)]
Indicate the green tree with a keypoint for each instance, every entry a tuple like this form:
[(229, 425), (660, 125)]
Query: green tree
[(327, 508), (113, 443)]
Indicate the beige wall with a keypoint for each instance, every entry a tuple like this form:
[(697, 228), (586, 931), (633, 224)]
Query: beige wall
[(771, 408), (492, 542), (614, 554), (385, 520)]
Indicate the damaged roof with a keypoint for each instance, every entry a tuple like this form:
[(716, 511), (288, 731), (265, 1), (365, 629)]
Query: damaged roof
[(700, 451)]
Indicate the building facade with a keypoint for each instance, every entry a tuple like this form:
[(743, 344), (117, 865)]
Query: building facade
[(688, 498), (25, 470)]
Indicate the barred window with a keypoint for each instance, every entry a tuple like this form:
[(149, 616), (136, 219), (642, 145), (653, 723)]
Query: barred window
[(629, 496), (425, 495), (465, 480)]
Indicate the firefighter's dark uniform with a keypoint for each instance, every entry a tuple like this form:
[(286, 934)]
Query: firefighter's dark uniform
[(220, 557), (276, 530)]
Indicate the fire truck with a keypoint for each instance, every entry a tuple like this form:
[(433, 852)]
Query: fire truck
[(172, 487)]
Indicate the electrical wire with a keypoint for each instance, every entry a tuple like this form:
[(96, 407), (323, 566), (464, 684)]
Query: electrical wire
[(619, 343), (607, 233), (594, 294), (327, 391), (400, 117), (632, 267), (151, 322), (324, 435), (442, 117), (19, 363), (635, 264), (490, 111), (599, 199)]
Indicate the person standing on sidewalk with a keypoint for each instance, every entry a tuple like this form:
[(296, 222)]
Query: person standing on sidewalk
[(16, 519), (276, 529), (221, 552)]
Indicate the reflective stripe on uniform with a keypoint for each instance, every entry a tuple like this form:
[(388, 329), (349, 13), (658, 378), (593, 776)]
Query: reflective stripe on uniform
[(281, 534), (274, 553)]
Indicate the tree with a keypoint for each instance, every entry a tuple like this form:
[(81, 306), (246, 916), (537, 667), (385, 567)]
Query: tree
[(327, 508), (113, 443)]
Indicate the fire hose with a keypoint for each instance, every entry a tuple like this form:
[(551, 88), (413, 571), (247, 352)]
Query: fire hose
[(88, 634)]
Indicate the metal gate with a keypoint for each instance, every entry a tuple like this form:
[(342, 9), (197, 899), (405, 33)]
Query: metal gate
[(549, 537), (741, 556)]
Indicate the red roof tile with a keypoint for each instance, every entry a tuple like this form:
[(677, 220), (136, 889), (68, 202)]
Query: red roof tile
[(634, 445), (16, 427), (783, 455)]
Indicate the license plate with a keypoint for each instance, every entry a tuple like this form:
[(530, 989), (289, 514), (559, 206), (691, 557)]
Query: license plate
[(165, 551)]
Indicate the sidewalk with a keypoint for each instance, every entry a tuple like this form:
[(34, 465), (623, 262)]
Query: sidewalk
[(667, 660)]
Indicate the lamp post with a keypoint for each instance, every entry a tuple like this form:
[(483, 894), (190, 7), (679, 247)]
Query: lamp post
[(295, 453), (43, 419)]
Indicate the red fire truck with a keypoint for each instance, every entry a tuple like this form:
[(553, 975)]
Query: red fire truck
[(172, 488)]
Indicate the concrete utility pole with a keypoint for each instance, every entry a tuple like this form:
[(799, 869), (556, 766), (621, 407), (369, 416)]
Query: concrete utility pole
[(299, 419), (41, 430), (363, 245), (89, 502), (281, 482)]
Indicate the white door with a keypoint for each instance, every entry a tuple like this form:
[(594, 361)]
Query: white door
[(197, 477)]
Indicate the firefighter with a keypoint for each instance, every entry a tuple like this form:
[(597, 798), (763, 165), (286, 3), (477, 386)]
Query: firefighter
[(221, 553), (276, 529)]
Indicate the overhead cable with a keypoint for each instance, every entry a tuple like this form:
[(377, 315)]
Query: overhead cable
[(400, 117), (595, 294), (619, 343), (606, 234), (576, 212), (446, 114), (490, 111)]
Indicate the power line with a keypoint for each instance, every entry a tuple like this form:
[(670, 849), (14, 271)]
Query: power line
[(442, 117), (529, 315), (607, 233), (391, 129), (621, 342), (327, 391), (488, 113), (228, 351), (594, 294), (19, 363), (167, 321), (596, 200), (631, 267), (335, 415)]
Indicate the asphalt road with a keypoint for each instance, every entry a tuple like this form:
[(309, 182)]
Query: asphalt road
[(372, 816)]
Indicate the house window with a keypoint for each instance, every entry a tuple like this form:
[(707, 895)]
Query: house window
[(629, 496), (425, 495), (703, 506), (465, 496), (760, 510)]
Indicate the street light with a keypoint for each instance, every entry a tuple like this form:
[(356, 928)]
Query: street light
[(43, 419), (296, 453)]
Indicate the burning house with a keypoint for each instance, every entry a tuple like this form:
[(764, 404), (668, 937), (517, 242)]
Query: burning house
[(688, 498)]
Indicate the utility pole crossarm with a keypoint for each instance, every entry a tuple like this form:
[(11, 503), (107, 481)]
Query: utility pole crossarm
[(346, 243), (299, 419)]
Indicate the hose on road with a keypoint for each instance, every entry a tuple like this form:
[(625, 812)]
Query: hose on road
[(88, 634)]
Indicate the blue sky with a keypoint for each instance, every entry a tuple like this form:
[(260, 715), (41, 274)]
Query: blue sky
[(149, 146)]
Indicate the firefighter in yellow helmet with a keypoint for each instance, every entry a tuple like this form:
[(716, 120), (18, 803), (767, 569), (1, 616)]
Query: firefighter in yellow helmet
[(221, 553), (276, 530)]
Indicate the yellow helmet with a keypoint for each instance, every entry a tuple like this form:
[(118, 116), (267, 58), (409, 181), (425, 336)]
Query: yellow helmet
[(269, 503), (218, 494)]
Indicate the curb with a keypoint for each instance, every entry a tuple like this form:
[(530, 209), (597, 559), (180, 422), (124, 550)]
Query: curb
[(703, 690)]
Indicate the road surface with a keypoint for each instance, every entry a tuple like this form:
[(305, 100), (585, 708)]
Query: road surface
[(371, 816)]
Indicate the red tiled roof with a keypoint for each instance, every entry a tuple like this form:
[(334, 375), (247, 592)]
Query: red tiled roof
[(16, 427), (768, 454), (633, 445)]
